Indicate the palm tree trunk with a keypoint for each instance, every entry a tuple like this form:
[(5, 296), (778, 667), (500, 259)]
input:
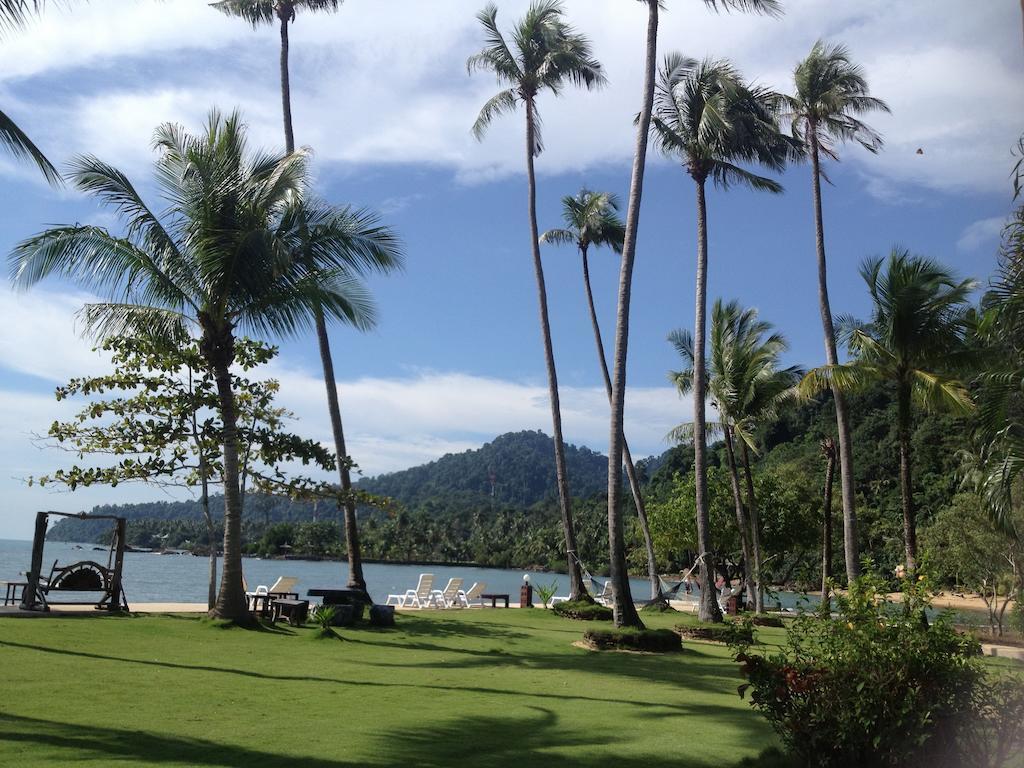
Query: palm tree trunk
[(708, 610), (755, 531), (625, 610), (286, 89), (577, 589), (826, 525), (850, 543), (742, 523), (906, 487), (634, 483), (231, 602), (204, 478), (355, 561)]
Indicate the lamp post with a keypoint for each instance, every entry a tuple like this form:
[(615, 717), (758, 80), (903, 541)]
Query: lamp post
[(526, 593)]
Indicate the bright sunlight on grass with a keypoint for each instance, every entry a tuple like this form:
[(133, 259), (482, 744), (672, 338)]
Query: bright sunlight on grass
[(482, 688)]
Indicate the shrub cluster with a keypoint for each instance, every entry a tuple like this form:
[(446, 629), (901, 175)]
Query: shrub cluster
[(653, 640), (880, 685), (583, 610), (733, 632)]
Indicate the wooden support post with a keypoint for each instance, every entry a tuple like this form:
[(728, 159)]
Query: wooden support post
[(117, 601), (30, 595)]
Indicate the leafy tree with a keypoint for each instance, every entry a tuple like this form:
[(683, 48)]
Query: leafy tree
[(915, 341), (747, 388), (592, 219), (709, 119), (964, 547), (372, 247), (546, 54), (221, 258), (831, 92), (160, 427)]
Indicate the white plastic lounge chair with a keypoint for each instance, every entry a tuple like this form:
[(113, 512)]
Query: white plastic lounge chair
[(415, 598), (606, 595), (470, 598), (285, 585), (446, 598)]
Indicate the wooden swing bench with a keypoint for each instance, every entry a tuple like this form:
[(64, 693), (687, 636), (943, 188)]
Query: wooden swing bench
[(83, 576)]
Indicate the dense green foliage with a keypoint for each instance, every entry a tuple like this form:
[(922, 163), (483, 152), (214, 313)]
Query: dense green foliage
[(874, 685)]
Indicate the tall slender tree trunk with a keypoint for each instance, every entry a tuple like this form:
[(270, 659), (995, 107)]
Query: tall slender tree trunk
[(231, 602), (625, 610), (634, 483), (577, 589), (708, 608), (906, 486), (850, 543), (204, 479), (829, 449), (355, 562), (755, 531), (742, 524), (286, 88)]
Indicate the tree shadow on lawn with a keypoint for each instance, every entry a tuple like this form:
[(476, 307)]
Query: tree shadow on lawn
[(326, 680), (480, 741)]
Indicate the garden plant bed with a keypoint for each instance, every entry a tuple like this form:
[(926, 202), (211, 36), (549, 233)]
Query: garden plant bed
[(716, 633), (649, 640), (582, 610), (767, 621)]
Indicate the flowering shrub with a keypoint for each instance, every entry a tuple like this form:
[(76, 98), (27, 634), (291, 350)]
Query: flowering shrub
[(874, 685)]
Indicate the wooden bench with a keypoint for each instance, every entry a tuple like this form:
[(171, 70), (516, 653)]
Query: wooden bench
[(295, 611), (494, 598)]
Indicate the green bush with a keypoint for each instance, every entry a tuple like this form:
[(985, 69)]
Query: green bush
[(653, 640), (732, 632), (583, 610), (767, 621), (876, 685)]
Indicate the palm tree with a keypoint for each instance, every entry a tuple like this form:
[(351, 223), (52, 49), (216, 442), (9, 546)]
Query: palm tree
[(747, 388), (915, 341), (258, 12), (828, 450), (592, 219), (220, 259), (546, 53), (709, 119), (13, 15), (831, 92)]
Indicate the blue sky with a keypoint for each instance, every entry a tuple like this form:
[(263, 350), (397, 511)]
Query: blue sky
[(456, 358)]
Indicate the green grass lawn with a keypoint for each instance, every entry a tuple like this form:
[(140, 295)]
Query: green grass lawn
[(477, 688)]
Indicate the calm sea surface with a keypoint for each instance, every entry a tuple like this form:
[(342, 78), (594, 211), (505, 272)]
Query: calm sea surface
[(150, 578)]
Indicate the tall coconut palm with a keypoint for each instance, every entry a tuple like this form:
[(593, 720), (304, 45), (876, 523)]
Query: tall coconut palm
[(708, 118), (545, 54), (915, 341), (258, 12), (13, 15), (828, 451), (747, 387), (831, 94), (220, 259), (592, 219)]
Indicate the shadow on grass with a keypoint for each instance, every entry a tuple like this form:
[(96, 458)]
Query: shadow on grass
[(327, 680), (497, 742), (113, 744)]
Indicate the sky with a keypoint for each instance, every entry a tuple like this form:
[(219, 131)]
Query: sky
[(381, 95)]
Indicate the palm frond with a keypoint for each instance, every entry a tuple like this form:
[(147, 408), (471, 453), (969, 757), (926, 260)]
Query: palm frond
[(17, 143)]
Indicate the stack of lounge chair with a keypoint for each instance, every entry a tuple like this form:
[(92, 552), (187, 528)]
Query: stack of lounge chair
[(425, 596)]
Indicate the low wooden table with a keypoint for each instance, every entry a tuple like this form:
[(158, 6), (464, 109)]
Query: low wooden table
[(295, 611), (494, 598), (356, 598)]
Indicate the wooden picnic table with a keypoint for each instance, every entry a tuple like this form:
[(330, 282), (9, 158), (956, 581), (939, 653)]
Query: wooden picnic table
[(494, 597)]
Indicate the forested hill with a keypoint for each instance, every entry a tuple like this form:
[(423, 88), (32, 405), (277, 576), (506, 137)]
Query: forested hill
[(515, 469), (520, 463)]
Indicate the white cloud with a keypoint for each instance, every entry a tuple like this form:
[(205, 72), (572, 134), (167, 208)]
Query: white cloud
[(366, 94), (980, 233)]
